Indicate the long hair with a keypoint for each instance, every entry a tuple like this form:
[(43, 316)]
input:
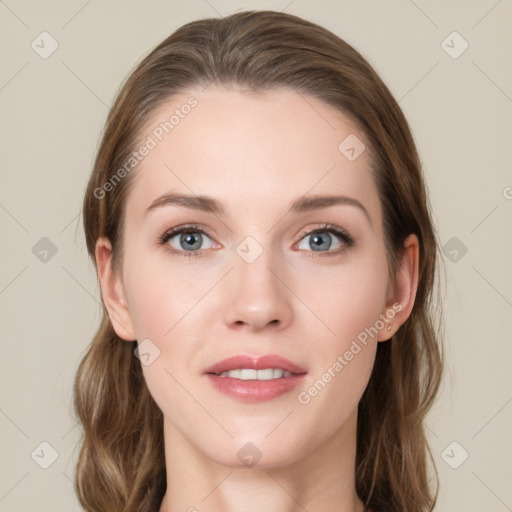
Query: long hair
[(121, 464)]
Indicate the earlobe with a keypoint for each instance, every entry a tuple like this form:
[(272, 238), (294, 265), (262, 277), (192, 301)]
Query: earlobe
[(112, 291), (403, 291)]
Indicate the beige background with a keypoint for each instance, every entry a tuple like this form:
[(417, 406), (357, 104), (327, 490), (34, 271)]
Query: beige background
[(52, 112)]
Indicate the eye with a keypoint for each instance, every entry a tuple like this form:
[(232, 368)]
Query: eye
[(186, 240), (328, 240)]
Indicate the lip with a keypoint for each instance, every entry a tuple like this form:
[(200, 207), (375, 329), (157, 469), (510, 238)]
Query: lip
[(255, 363), (255, 390)]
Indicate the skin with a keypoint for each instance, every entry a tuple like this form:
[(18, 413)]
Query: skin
[(256, 153)]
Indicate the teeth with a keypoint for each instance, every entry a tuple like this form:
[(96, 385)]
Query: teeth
[(250, 374)]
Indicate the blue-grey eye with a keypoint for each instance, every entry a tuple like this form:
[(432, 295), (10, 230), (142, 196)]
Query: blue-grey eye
[(322, 241), (189, 241)]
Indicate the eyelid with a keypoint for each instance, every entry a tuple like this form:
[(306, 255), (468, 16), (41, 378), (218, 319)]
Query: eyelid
[(183, 228), (323, 227)]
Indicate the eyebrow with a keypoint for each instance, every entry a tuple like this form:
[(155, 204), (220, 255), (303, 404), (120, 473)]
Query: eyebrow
[(306, 204), (209, 205)]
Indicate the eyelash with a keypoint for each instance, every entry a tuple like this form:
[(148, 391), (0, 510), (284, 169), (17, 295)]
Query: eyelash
[(348, 239)]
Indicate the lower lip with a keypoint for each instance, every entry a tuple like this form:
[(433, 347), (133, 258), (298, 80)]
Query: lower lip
[(255, 390)]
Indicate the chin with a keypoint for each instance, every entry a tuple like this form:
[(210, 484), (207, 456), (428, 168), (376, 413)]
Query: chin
[(257, 452)]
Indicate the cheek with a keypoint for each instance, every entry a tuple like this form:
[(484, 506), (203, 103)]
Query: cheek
[(349, 301), (159, 296), (162, 305), (346, 299)]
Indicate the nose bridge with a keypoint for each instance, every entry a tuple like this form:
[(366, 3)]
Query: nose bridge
[(253, 265), (257, 296)]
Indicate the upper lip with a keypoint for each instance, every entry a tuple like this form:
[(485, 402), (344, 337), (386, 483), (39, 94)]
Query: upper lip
[(256, 363)]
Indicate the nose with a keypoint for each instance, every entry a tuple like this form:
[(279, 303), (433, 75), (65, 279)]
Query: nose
[(257, 296)]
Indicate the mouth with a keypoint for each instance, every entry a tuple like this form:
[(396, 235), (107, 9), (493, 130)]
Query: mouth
[(255, 379), (252, 374)]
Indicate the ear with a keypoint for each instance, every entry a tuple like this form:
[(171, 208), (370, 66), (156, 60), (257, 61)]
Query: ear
[(402, 292), (112, 291)]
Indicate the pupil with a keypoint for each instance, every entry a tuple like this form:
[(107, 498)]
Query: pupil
[(318, 239), (188, 239)]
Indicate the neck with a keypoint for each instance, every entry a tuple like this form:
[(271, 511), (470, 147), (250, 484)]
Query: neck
[(318, 481)]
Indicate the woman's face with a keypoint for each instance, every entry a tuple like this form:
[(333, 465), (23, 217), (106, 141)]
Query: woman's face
[(266, 269)]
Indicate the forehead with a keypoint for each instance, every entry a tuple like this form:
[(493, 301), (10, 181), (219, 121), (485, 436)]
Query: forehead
[(246, 148)]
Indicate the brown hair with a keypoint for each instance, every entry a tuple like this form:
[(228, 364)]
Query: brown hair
[(121, 465)]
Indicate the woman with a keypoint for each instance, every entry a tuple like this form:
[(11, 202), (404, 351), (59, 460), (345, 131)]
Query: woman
[(261, 231)]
